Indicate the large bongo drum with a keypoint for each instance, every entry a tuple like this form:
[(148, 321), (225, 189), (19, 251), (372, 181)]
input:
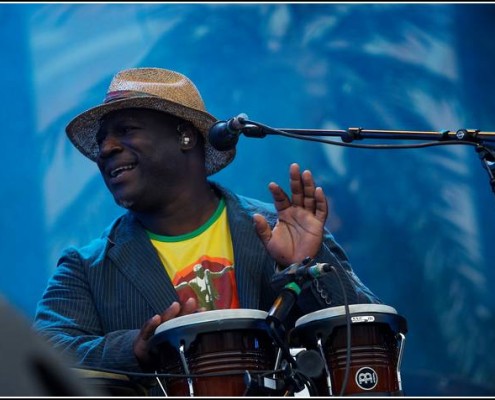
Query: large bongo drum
[(208, 353), (377, 336)]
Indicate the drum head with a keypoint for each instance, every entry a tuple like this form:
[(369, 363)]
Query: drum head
[(322, 323), (185, 329), (340, 310), (211, 318)]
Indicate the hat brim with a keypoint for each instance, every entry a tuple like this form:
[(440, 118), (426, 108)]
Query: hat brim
[(83, 128)]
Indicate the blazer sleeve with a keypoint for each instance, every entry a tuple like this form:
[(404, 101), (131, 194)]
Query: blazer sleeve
[(67, 316)]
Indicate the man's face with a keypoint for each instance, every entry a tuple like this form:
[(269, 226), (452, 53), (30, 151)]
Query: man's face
[(139, 156)]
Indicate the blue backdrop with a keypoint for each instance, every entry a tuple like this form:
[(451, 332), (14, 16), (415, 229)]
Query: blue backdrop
[(418, 224)]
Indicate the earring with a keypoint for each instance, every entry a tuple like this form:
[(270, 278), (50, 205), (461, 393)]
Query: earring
[(185, 140)]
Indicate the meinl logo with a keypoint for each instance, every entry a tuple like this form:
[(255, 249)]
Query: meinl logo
[(366, 378)]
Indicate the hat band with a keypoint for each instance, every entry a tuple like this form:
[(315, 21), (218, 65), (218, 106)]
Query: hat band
[(125, 94)]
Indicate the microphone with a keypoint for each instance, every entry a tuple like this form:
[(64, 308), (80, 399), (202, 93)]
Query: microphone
[(283, 304), (224, 135), (312, 272), (300, 273), (293, 278)]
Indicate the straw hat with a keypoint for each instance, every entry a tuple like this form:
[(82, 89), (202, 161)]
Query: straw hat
[(152, 88)]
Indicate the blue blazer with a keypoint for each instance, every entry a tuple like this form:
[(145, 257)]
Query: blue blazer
[(101, 294)]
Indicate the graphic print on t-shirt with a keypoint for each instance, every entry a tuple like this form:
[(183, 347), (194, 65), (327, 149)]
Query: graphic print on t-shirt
[(211, 281)]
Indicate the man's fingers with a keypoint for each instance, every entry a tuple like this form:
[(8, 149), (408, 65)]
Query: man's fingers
[(296, 185), (280, 198), (303, 188), (262, 228), (190, 306), (171, 312), (309, 191), (321, 205), (149, 327)]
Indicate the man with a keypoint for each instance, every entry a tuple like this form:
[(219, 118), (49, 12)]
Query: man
[(150, 142)]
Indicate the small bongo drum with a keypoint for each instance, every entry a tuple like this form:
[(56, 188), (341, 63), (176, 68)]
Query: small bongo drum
[(377, 336), (208, 353)]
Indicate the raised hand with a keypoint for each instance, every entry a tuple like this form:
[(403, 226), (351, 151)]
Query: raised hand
[(298, 232)]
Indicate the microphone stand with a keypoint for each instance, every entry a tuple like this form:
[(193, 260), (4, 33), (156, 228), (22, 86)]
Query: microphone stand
[(295, 277), (473, 137)]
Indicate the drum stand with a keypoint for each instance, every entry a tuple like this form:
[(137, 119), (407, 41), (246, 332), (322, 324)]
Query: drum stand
[(262, 385), (292, 381), (296, 376), (284, 380)]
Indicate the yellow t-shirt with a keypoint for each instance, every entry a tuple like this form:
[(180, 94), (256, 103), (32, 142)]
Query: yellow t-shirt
[(201, 263)]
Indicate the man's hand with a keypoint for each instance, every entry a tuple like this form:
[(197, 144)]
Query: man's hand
[(298, 232), (141, 348)]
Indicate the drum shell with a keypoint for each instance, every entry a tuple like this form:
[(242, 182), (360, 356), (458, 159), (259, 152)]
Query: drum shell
[(226, 348), (374, 351)]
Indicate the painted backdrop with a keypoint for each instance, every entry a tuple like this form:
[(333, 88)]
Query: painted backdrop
[(418, 224)]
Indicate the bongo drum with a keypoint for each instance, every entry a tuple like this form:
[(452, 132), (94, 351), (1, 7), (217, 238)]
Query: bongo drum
[(377, 336), (208, 353)]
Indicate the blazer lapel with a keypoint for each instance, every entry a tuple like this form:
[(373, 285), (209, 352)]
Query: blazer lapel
[(249, 254), (136, 257)]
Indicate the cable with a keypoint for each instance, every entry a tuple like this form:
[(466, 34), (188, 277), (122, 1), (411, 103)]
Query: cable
[(363, 146), (309, 383), (348, 334), (164, 375), (487, 154)]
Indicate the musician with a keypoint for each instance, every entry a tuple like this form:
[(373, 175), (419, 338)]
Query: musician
[(149, 140)]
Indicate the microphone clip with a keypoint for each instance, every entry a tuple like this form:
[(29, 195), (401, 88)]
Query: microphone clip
[(300, 273)]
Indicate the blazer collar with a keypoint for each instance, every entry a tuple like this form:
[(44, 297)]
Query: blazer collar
[(132, 252)]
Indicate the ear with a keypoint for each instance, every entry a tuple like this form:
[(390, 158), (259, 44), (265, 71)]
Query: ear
[(188, 136)]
